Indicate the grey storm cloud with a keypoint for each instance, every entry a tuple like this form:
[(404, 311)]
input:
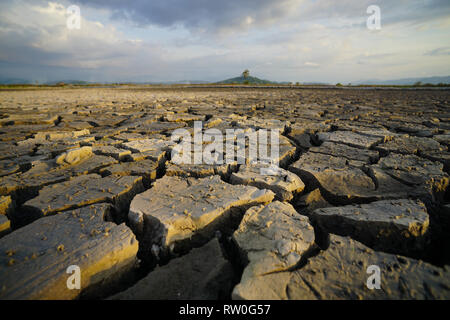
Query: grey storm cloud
[(297, 35), (194, 14), (444, 51), (214, 15)]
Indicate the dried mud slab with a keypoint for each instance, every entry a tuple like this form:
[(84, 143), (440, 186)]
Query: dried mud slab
[(6, 209), (283, 183), (183, 117), (154, 149), (395, 226), (410, 145), (5, 225), (340, 179), (188, 166), (286, 152), (340, 273), (23, 186), (147, 169), (303, 133), (6, 205), (271, 239), (82, 191), (268, 124), (35, 258), (350, 138), (179, 212), (156, 127), (8, 167), (74, 156), (401, 277), (200, 170), (410, 176), (202, 274), (29, 119), (111, 151), (343, 180), (312, 201), (139, 146), (346, 152), (60, 135)]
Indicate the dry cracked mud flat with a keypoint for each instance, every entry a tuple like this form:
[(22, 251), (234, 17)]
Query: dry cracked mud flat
[(86, 179)]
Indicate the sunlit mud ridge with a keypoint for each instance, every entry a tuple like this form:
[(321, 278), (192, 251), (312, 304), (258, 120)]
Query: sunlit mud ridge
[(94, 205)]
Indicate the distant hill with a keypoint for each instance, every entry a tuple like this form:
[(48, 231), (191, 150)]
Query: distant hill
[(315, 84), (10, 81), (14, 81), (183, 82), (406, 81), (7, 81), (247, 80), (79, 82)]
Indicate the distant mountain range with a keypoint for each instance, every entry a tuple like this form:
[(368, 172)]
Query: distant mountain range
[(7, 81), (406, 81), (27, 81), (239, 80), (14, 81), (80, 82)]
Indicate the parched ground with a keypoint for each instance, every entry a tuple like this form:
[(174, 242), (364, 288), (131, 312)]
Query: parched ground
[(87, 179)]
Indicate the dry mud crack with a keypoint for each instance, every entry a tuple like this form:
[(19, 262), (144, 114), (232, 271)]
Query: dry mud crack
[(88, 178)]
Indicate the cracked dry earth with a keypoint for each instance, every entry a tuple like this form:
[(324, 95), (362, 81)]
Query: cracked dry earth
[(86, 179)]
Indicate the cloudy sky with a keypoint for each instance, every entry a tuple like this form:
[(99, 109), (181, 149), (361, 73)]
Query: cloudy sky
[(283, 40)]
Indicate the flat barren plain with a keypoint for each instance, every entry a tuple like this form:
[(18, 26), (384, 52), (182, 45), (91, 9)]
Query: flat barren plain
[(93, 204)]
